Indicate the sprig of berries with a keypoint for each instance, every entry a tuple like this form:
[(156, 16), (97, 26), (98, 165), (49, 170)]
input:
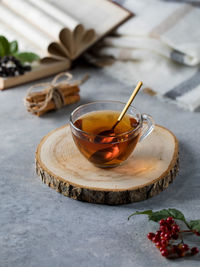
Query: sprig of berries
[(11, 66), (12, 62), (165, 237), (169, 237)]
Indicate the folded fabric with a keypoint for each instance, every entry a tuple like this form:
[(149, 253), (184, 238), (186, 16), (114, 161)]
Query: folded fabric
[(170, 29), (149, 45)]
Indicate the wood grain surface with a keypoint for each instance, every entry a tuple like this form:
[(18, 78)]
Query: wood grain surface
[(149, 170)]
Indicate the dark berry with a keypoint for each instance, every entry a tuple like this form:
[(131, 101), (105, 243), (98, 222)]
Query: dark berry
[(179, 252), (169, 228), (155, 239), (164, 252), (11, 71), (174, 236), (185, 247), (164, 243), (194, 250), (162, 222), (5, 59), (158, 244), (162, 248), (11, 66), (170, 220), (11, 58), (162, 234), (3, 69), (163, 228), (17, 62), (167, 236), (197, 233), (175, 228), (158, 232), (27, 68), (150, 236), (174, 249), (21, 71), (20, 67), (157, 235)]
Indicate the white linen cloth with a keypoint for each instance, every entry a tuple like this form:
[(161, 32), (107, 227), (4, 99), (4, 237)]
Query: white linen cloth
[(160, 45)]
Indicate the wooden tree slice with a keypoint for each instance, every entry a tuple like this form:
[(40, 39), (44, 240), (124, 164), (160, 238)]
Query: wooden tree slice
[(151, 168)]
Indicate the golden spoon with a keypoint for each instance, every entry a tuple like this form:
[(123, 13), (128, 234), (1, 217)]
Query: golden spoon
[(111, 131), (101, 155)]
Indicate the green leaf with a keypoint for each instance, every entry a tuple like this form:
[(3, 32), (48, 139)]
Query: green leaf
[(177, 214), (147, 212), (194, 225), (13, 47), (4, 46), (163, 214), (158, 215), (27, 57)]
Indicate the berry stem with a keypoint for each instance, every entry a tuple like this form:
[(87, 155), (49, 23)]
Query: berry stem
[(187, 231)]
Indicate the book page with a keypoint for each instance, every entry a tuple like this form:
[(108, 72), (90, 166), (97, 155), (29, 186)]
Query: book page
[(100, 15), (56, 13), (36, 17), (37, 38), (44, 22), (24, 44)]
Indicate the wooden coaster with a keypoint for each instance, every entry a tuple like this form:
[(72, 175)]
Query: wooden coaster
[(151, 168)]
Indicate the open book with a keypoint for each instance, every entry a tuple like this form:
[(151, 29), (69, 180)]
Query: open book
[(58, 31)]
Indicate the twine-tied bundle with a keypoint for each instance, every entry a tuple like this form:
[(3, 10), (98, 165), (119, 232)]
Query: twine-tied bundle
[(53, 95)]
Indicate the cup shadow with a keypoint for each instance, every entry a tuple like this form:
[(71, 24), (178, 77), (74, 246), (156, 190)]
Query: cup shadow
[(184, 188)]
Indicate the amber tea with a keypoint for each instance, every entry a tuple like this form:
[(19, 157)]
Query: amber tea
[(106, 150)]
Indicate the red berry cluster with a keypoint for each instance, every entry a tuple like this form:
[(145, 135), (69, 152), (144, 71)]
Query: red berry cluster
[(165, 237)]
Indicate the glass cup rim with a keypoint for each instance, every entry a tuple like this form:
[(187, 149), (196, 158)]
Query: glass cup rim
[(105, 101)]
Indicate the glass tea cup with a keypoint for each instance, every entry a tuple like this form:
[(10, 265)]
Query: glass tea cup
[(90, 122)]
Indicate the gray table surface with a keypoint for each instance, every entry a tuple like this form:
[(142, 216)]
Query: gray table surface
[(40, 227)]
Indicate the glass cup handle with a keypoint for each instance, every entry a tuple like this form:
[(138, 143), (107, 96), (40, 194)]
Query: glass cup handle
[(148, 127)]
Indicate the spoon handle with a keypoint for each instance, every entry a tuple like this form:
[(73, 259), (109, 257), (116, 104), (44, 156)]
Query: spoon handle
[(137, 88)]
